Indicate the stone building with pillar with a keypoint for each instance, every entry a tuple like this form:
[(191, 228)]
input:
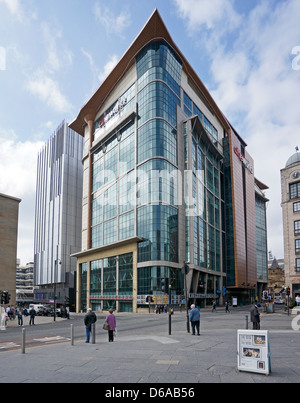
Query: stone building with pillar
[(290, 203), (9, 216)]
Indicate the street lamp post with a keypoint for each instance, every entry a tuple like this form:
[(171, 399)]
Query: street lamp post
[(185, 270), (170, 308), (57, 261)]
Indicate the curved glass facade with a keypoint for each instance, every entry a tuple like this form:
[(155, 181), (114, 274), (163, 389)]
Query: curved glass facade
[(206, 206), (159, 75)]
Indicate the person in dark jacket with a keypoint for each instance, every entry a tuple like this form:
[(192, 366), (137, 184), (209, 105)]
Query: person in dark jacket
[(89, 319), (32, 314), (195, 319), (255, 317)]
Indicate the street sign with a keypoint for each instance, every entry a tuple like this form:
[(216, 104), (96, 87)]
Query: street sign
[(253, 351)]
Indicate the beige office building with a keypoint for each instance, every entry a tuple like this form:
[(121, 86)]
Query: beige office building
[(9, 212), (290, 199)]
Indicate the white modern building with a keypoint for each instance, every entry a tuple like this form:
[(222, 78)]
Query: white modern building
[(58, 215)]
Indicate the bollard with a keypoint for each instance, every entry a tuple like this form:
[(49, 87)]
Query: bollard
[(93, 333), (72, 335), (246, 322), (23, 340)]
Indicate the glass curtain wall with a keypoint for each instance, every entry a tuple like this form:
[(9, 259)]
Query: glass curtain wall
[(158, 94), (113, 171), (205, 209), (261, 240), (109, 277)]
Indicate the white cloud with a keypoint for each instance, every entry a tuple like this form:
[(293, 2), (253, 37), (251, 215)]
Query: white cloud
[(58, 54), (18, 161), (112, 24), (254, 83), (2, 58), (108, 67), (214, 14), (100, 75), (14, 7), (18, 164), (48, 91)]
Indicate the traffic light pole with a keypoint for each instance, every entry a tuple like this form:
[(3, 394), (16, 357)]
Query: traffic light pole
[(2, 318), (288, 293)]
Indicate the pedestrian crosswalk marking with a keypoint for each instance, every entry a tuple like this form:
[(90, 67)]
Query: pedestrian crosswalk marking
[(52, 339), (8, 345)]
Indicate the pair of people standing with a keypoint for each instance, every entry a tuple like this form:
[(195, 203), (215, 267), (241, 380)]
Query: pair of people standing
[(91, 318)]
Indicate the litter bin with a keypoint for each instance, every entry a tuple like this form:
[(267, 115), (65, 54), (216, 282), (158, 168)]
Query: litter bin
[(270, 307)]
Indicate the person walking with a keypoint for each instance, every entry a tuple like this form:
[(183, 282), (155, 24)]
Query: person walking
[(89, 319), (32, 314), (214, 308), (227, 307), (20, 316), (255, 316), (111, 320), (195, 319)]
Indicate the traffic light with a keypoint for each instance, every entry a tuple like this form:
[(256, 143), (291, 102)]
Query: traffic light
[(185, 269), (5, 297), (288, 291), (165, 285)]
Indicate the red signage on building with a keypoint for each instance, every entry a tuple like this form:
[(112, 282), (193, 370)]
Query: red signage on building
[(243, 160)]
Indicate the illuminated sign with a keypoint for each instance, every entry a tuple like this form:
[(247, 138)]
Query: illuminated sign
[(243, 160)]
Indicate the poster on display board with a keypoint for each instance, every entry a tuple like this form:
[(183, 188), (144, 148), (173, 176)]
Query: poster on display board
[(253, 351)]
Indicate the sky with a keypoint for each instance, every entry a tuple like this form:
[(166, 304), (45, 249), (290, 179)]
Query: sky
[(54, 54)]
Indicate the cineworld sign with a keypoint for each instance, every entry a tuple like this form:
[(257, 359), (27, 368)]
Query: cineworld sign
[(116, 110), (243, 160)]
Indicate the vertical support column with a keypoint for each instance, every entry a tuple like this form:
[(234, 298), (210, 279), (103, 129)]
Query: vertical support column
[(88, 285), (134, 280), (89, 119), (78, 286), (23, 340)]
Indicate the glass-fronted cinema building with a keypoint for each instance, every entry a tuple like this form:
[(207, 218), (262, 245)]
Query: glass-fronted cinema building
[(167, 180)]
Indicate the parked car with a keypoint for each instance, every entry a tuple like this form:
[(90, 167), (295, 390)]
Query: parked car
[(38, 308), (48, 311)]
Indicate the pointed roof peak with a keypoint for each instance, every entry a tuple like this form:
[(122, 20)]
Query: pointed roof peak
[(154, 30)]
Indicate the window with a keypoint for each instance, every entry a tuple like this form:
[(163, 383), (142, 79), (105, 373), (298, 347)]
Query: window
[(126, 225), (110, 231), (157, 138), (125, 274), (158, 225), (297, 266), (296, 207), (297, 227), (297, 245), (109, 275), (95, 279), (294, 190)]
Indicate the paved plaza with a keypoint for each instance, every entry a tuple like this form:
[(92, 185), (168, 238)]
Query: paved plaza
[(155, 357)]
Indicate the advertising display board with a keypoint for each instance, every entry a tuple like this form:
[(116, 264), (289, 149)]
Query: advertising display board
[(253, 351)]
